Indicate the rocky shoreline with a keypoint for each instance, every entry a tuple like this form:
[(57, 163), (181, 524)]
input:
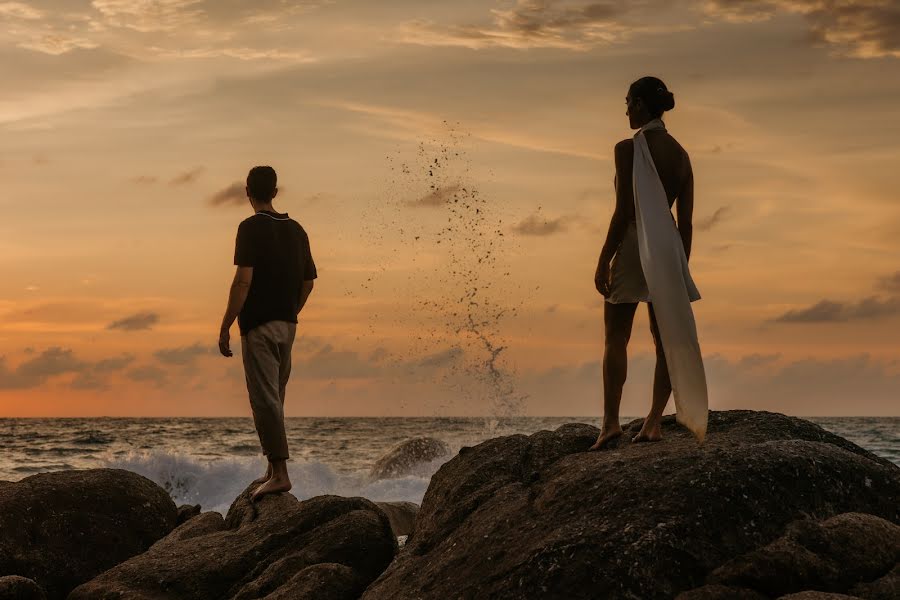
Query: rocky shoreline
[(769, 507)]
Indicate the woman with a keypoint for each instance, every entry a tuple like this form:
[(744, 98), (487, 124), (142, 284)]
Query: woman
[(620, 277)]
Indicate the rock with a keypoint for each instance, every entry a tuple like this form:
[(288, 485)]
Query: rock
[(720, 592), (13, 587), (402, 516), (884, 588), (538, 516), (186, 512), (61, 529), (325, 581), (327, 546), (812, 595), (831, 556), (407, 456)]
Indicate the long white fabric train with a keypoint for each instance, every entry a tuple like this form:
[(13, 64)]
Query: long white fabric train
[(671, 287)]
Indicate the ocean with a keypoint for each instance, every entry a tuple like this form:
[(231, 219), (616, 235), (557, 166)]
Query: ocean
[(209, 461)]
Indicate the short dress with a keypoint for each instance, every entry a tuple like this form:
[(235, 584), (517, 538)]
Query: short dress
[(627, 283)]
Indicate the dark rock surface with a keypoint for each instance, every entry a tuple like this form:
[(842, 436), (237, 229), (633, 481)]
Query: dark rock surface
[(325, 547), (13, 587), (883, 588), (407, 456), (402, 516), (61, 529), (537, 516), (720, 592), (831, 556), (811, 595), (187, 512)]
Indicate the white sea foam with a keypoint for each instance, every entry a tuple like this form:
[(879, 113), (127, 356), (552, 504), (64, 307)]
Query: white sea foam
[(215, 484)]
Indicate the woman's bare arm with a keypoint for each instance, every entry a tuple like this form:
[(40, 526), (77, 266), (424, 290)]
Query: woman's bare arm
[(624, 155), (685, 210)]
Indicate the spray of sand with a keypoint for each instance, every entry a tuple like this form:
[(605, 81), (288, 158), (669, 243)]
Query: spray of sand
[(449, 239)]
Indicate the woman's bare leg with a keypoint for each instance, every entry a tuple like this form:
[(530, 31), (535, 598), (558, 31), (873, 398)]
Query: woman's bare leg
[(618, 319), (662, 389)]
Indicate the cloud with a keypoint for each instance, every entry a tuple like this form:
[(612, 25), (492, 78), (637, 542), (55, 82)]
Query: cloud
[(56, 44), (536, 224), (56, 361), (442, 358), (186, 177), (858, 28), (568, 24), (711, 221), (96, 376), (828, 311), (438, 197), (145, 179), (137, 321), (149, 15), (890, 283), (148, 374), (236, 194), (20, 10), (185, 355)]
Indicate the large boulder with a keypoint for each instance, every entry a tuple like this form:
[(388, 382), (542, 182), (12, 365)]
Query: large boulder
[(539, 516), (407, 457), (326, 547), (13, 587), (832, 556), (62, 529)]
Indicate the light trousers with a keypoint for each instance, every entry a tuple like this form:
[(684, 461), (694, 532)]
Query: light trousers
[(266, 351)]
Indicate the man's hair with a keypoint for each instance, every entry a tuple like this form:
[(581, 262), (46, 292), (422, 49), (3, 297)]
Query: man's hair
[(261, 182)]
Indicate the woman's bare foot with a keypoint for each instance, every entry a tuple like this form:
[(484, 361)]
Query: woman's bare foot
[(653, 433), (265, 477), (606, 436), (274, 485)]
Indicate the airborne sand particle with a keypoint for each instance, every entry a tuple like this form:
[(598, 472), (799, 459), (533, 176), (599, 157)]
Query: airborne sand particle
[(459, 287)]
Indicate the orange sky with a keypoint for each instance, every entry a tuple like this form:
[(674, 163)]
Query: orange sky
[(126, 124)]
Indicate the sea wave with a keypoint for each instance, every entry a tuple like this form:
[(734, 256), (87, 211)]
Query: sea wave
[(214, 484)]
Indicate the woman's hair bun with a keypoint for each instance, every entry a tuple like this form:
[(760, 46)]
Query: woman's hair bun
[(667, 100), (654, 93)]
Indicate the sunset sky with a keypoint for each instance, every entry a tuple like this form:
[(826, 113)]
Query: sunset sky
[(128, 126)]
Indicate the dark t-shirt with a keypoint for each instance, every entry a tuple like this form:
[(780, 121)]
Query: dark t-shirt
[(277, 248)]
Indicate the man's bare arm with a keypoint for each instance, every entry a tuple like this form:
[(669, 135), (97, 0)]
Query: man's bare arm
[(305, 290), (685, 211), (237, 295)]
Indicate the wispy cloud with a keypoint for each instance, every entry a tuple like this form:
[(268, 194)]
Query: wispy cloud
[(711, 221), (858, 28), (135, 322), (890, 283), (55, 361), (148, 374), (144, 179), (828, 311), (567, 24), (437, 197), (236, 193), (20, 10), (186, 177), (537, 224), (184, 355)]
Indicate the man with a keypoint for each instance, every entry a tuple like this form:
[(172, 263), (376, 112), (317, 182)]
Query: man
[(274, 277)]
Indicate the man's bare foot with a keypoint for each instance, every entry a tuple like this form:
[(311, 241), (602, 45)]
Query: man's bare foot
[(606, 436), (265, 477), (648, 434), (274, 485)]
